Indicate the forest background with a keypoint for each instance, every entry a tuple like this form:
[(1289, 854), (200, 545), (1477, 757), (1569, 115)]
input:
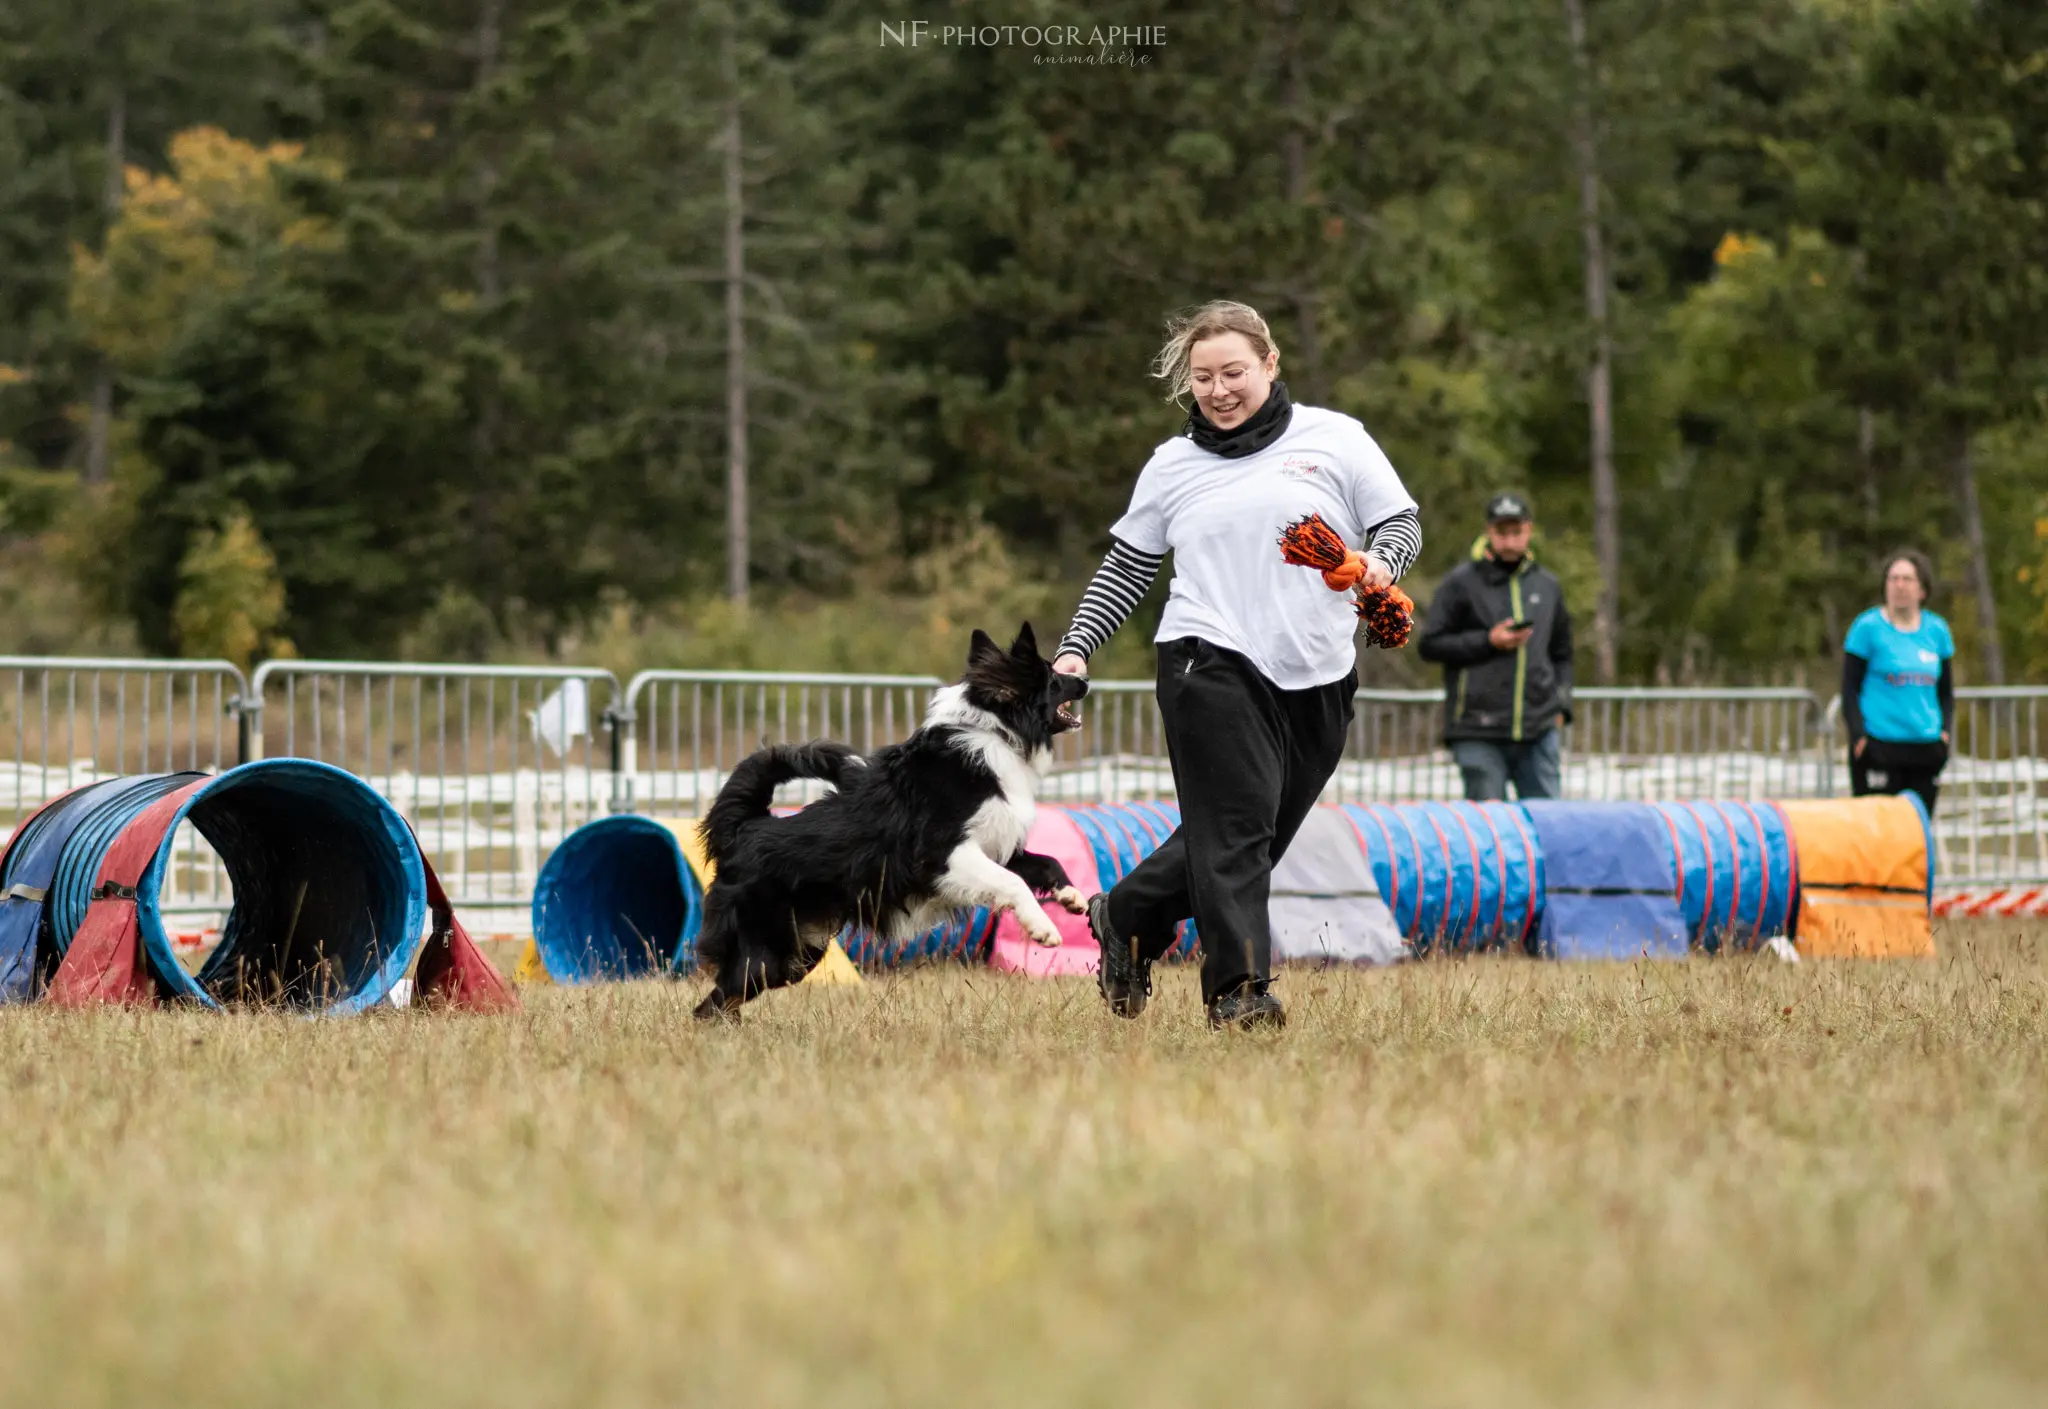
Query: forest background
[(447, 328)]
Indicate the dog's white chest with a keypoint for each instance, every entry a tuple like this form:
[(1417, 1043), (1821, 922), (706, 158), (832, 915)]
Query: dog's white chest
[(1000, 825)]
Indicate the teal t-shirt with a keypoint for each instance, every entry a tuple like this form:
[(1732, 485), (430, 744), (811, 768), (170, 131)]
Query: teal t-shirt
[(1898, 699)]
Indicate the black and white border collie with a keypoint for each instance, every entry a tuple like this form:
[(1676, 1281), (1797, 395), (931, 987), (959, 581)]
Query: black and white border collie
[(915, 831)]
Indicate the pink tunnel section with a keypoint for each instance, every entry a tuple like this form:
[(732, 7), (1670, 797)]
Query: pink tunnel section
[(1053, 834)]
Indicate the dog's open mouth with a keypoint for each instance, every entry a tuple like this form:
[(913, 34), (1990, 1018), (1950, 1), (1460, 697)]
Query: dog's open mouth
[(1070, 717)]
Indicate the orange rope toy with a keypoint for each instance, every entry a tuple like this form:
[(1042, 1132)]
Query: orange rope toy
[(1388, 612)]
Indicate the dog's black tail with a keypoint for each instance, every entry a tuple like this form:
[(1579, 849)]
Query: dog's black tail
[(750, 790)]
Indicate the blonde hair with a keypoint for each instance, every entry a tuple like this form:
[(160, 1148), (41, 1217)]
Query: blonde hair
[(1192, 325)]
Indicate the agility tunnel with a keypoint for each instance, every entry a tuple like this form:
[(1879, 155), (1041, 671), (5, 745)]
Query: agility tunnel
[(1325, 903), (1456, 877), (1055, 832), (1120, 835), (1580, 880), (1866, 877), (965, 939), (1610, 890), (331, 896), (619, 899), (1367, 883), (38, 916), (1737, 871)]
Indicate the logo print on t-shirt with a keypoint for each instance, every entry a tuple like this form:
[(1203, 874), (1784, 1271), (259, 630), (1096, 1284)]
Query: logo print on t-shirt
[(1298, 467)]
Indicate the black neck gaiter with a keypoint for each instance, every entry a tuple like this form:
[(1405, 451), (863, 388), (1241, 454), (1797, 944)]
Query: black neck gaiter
[(1265, 426)]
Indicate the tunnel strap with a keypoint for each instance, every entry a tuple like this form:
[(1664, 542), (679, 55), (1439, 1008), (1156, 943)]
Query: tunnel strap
[(1835, 886), (113, 890), (37, 894), (1608, 891)]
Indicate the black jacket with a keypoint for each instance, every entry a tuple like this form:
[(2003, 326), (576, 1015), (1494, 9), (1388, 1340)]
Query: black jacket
[(1493, 694)]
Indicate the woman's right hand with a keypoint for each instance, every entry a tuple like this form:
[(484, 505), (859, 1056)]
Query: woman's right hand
[(1859, 747), (1071, 664)]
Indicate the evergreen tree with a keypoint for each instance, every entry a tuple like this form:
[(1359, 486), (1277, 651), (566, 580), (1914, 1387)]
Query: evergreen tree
[(1927, 154), (552, 309)]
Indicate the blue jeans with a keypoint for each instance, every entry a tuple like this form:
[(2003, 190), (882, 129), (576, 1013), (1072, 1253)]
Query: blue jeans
[(1489, 764)]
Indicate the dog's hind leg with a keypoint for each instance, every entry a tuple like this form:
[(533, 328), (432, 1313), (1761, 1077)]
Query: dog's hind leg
[(745, 967), (970, 879), (722, 948)]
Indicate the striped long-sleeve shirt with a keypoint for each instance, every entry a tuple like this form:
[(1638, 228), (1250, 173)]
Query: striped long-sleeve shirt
[(1127, 574)]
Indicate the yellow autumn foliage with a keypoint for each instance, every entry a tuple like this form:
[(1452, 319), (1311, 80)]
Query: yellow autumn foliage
[(1734, 248), (187, 240), (230, 595)]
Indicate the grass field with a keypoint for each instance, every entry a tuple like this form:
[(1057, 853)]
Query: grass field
[(1726, 1183)]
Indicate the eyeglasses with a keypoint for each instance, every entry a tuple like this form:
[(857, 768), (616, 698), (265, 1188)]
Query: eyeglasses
[(1232, 379)]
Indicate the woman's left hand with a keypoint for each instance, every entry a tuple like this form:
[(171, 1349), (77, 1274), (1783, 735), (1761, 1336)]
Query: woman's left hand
[(1377, 575)]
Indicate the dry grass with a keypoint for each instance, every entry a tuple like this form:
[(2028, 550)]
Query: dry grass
[(1486, 1183)]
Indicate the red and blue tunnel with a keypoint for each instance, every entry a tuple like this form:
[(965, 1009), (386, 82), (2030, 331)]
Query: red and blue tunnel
[(331, 896)]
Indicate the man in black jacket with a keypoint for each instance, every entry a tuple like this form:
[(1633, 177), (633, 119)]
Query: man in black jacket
[(1499, 628)]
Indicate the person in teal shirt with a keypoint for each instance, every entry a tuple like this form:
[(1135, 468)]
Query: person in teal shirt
[(1898, 687)]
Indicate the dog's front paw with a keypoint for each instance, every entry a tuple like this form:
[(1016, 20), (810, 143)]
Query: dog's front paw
[(1070, 900), (1040, 929)]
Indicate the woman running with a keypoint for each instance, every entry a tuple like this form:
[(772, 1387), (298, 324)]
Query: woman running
[(1257, 658)]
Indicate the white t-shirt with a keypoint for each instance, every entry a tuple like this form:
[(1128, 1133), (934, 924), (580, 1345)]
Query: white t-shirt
[(1222, 519)]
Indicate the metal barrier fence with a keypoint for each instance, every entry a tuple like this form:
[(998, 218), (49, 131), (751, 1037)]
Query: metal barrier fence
[(688, 729), (1622, 744), (495, 764), (66, 722), (682, 731), (492, 765)]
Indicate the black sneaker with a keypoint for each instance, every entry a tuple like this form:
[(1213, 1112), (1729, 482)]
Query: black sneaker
[(1250, 1007), (1124, 978)]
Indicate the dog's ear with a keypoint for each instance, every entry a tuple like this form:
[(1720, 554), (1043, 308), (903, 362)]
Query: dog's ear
[(981, 647), (990, 673), (1025, 647)]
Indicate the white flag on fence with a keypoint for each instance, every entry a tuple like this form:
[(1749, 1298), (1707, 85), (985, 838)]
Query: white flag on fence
[(563, 717)]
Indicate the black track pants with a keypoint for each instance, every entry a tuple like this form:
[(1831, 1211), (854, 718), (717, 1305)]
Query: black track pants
[(1249, 761), (1898, 768)]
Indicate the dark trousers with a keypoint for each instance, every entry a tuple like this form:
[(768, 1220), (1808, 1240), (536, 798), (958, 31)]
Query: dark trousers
[(1898, 768), (1249, 761), (1534, 766)]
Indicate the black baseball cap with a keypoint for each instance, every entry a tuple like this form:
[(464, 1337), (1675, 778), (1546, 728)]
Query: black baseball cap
[(1503, 507)]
